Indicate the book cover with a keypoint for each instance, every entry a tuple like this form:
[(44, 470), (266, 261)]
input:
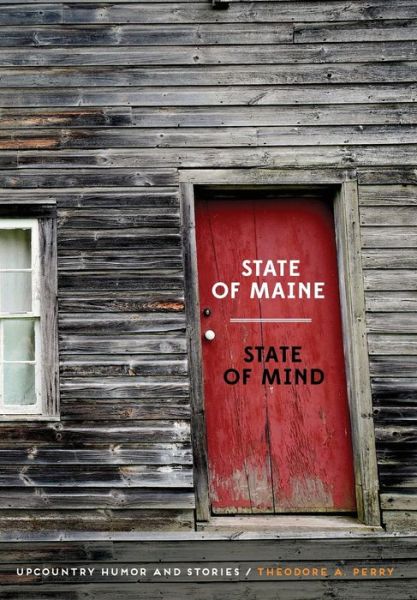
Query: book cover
[(208, 299)]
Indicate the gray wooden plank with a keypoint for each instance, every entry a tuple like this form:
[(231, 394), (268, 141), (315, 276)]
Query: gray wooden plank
[(113, 167), (47, 117), (258, 95), (194, 353), (338, 10), (49, 316), (391, 301), (389, 237), (259, 115), (118, 454), (125, 387), (207, 137), (388, 176), (391, 322), (182, 549), (143, 238), (399, 384), (93, 324), (106, 407), (352, 304), (207, 75), (57, 551), (90, 178), (406, 415), (395, 366), (42, 2), (359, 590), (123, 281), (403, 436), (86, 198), (392, 258), (137, 344), (390, 279), (398, 501), (95, 498), (393, 456), (97, 476), (114, 218), (378, 30), (80, 433), (391, 195), (387, 215), (386, 344), (400, 520), (76, 520), (157, 260), (119, 365), (399, 481), (146, 35), (282, 54)]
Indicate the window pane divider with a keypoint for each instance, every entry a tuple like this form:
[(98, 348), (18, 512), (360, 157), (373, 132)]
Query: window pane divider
[(28, 270), (19, 362), (19, 316)]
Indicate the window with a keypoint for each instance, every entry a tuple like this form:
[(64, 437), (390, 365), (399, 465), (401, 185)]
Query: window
[(27, 320)]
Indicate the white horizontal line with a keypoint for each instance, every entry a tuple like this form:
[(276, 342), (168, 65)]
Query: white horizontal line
[(15, 270), (19, 362), (292, 320)]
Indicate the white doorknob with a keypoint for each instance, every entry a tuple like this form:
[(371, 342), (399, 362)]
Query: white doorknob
[(209, 335)]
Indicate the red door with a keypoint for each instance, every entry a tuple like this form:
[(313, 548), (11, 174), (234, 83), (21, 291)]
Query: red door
[(277, 420)]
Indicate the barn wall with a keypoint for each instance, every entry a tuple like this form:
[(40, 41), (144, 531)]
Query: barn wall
[(101, 106)]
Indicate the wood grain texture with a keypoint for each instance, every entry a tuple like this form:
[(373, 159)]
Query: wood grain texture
[(175, 95), (131, 167), (104, 106), (50, 36), (57, 498), (106, 519), (181, 12), (143, 476), (382, 30), (391, 301), (252, 54), (104, 74), (205, 137), (391, 195), (356, 351), (369, 590), (49, 316)]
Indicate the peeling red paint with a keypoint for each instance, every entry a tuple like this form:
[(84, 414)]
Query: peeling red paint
[(168, 306), (274, 446)]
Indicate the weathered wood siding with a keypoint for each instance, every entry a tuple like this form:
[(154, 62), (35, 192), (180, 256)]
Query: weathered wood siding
[(102, 103), (114, 566)]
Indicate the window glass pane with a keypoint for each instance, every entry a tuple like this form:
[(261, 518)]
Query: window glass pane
[(19, 385), (15, 292), (19, 339), (15, 249)]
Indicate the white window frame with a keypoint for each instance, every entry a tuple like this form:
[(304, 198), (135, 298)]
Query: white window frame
[(40, 216), (38, 408)]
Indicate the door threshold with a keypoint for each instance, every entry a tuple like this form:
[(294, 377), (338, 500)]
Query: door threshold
[(284, 524)]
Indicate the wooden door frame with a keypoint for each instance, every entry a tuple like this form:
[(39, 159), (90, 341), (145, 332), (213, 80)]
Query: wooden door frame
[(352, 300)]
